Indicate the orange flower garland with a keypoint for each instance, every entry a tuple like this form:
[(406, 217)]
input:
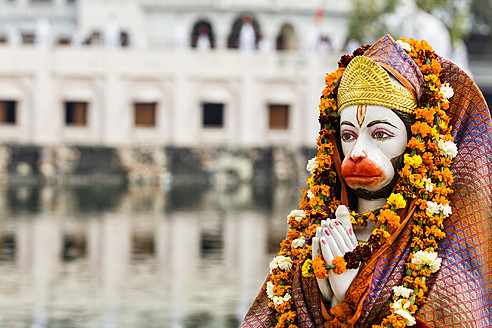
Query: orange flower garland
[(425, 176)]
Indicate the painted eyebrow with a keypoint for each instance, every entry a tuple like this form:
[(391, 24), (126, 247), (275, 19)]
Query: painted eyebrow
[(380, 122), (347, 123)]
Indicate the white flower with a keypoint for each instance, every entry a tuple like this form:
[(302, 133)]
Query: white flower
[(310, 194), (433, 208), (269, 290), (429, 186), (299, 242), (402, 291), (442, 210), (403, 311), (296, 214), (404, 45), (446, 91), (427, 258), (312, 164), (282, 262), (446, 210), (447, 148), (278, 300)]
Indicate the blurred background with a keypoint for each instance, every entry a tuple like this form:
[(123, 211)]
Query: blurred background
[(150, 150)]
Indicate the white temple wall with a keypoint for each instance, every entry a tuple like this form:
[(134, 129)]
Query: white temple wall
[(112, 81)]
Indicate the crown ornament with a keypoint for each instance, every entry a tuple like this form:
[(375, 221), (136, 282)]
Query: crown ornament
[(364, 82)]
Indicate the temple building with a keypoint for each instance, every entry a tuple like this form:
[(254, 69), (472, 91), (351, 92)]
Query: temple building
[(178, 73)]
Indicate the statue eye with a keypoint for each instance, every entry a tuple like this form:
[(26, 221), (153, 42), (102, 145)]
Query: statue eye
[(346, 136), (380, 135)]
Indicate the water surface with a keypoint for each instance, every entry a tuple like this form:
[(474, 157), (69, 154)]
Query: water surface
[(108, 256)]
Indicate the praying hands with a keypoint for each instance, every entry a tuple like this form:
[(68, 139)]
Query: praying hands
[(334, 238)]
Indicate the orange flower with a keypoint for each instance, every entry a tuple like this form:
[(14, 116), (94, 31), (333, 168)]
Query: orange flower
[(283, 307), (325, 191), (426, 113), (303, 205), (408, 279), (370, 216), (311, 230), (432, 147), (396, 320), (432, 69), (316, 202), (334, 77), (326, 147), (394, 221), (382, 233), (333, 206), (418, 282), (288, 316), (324, 161), (326, 103), (434, 231), (417, 145), (390, 217), (417, 230), (341, 265), (445, 176), (421, 128), (281, 290), (430, 243), (293, 223), (319, 268), (431, 78), (417, 241), (293, 234)]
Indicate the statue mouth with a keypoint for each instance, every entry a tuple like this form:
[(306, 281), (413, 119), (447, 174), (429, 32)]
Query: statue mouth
[(363, 180), (364, 173)]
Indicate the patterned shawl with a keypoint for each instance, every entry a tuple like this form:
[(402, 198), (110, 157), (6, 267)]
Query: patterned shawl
[(460, 293)]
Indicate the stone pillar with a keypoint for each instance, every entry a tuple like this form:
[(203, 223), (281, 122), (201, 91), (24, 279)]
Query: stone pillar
[(248, 127), (46, 115), (116, 114), (186, 117)]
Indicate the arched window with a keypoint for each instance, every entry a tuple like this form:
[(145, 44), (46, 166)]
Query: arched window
[(202, 36), (245, 33), (286, 39)]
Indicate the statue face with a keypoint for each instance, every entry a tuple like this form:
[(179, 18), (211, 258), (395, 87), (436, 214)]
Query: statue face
[(370, 136)]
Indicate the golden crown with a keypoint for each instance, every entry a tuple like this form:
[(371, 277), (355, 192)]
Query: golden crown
[(364, 82)]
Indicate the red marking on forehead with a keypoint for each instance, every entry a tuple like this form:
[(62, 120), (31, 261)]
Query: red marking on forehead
[(361, 114)]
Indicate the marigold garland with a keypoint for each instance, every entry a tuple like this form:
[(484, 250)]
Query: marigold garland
[(425, 176)]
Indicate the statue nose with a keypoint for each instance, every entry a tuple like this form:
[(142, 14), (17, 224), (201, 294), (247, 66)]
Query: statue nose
[(358, 153)]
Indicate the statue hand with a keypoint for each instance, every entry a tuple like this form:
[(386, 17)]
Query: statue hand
[(323, 284), (336, 238)]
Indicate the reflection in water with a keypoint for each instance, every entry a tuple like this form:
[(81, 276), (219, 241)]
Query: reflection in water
[(137, 256)]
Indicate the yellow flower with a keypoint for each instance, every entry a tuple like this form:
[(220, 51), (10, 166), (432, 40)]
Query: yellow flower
[(381, 232), (397, 200), (414, 161), (307, 269), (434, 133)]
